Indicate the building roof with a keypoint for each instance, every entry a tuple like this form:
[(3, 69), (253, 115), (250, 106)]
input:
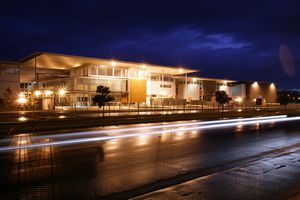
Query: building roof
[(6, 62), (206, 79), (251, 82), (61, 61)]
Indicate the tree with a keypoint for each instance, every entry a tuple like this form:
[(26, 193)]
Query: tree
[(8, 100), (102, 96), (285, 97), (222, 98)]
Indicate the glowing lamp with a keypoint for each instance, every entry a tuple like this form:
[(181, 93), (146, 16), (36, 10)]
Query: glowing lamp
[(255, 84), (22, 100), (239, 99), (37, 93), (61, 92), (48, 92), (144, 66), (21, 95)]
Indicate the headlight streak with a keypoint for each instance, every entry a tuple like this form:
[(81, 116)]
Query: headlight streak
[(118, 130), (103, 138)]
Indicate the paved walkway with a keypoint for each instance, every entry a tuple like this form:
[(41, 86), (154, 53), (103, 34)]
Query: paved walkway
[(275, 177)]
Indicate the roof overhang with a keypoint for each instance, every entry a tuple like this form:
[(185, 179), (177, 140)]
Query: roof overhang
[(65, 62), (194, 78), (5, 62)]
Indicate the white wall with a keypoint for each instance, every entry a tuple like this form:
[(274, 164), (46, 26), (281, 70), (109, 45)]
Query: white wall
[(192, 92), (9, 78), (154, 88), (189, 91)]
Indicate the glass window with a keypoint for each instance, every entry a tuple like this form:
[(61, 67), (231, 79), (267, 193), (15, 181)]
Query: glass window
[(155, 77), (101, 71), (118, 72), (85, 70), (168, 78), (78, 71), (165, 86), (132, 73), (109, 71), (93, 70)]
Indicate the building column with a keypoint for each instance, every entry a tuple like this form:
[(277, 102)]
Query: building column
[(186, 87), (128, 89), (162, 84)]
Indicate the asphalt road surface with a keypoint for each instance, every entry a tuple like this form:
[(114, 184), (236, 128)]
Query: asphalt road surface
[(127, 161)]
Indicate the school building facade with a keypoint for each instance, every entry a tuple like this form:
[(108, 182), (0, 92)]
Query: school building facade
[(68, 80)]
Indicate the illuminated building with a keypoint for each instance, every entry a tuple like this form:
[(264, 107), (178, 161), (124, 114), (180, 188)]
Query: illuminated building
[(73, 80)]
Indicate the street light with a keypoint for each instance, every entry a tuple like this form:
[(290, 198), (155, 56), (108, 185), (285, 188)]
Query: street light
[(144, 66), (21, 95), (255, 84), (113, 63), (48, 92), (61, 92), (22, 100), (239, 99), (37, 93)]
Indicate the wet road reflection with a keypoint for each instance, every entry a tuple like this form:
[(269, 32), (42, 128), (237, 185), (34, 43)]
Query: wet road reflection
[(99, 168)]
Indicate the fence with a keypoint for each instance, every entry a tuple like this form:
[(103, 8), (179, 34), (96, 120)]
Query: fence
[(173, 108)]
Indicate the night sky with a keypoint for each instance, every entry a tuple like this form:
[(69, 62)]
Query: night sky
[(243, 40)]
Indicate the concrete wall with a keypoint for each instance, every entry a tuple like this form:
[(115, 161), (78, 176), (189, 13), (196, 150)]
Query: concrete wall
[(27, 71), (266, 90), (209, 89), (9, 78), (159, 88), (189, 91)]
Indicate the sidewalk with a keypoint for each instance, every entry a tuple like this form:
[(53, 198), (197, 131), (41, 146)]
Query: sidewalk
[(275, 177)]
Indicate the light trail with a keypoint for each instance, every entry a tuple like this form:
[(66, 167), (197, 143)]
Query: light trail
[(104, 138), (118, 130)]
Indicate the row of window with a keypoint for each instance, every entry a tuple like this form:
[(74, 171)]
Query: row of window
[(92, 84), (94, 70), (157, 77), (165, 86), (9, 70)]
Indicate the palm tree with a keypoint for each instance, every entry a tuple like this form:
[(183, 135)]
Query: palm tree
[(102, 97)]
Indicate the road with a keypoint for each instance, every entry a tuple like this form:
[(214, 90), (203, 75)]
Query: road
[(127, 161)]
